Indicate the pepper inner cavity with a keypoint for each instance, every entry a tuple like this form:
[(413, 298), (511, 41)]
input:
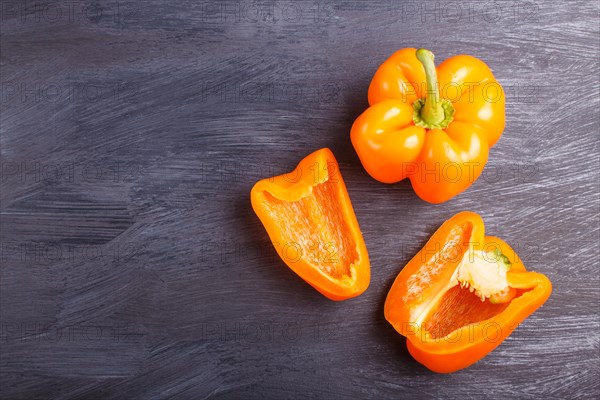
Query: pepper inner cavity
[(458, 308), (478, 292), (314, 229)]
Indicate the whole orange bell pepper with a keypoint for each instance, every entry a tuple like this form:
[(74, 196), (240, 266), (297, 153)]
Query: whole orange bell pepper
[(433, 127), (462, 295), (311, 223)]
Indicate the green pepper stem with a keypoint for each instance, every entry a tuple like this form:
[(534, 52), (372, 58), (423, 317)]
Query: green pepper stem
[(432, 112)]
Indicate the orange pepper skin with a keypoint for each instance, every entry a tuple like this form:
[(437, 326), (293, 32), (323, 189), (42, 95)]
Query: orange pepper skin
[(311, 223), (440, 162), (471, 330)]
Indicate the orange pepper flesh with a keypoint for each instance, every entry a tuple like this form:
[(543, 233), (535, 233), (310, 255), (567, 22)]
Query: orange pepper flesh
[(311, 223), (448, 329), (441, 158)]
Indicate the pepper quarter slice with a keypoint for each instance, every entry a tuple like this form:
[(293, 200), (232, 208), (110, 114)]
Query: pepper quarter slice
[(462, 295), (310, 221)]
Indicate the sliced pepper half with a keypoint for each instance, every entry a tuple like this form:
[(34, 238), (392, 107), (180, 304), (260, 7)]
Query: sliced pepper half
[(462, 295), (311, 223)]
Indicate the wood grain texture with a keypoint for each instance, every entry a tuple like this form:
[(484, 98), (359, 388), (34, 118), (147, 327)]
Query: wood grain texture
[(132, 132)]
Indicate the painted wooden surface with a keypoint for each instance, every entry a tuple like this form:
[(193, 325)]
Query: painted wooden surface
[(132, 132)]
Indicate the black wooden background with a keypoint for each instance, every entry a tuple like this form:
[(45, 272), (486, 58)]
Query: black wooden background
[(133, 266)]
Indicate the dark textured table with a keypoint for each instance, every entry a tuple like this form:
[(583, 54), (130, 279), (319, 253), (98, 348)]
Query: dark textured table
[(131, 133)]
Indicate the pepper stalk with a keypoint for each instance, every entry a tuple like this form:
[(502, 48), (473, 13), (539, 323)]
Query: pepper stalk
[(431, 112)]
